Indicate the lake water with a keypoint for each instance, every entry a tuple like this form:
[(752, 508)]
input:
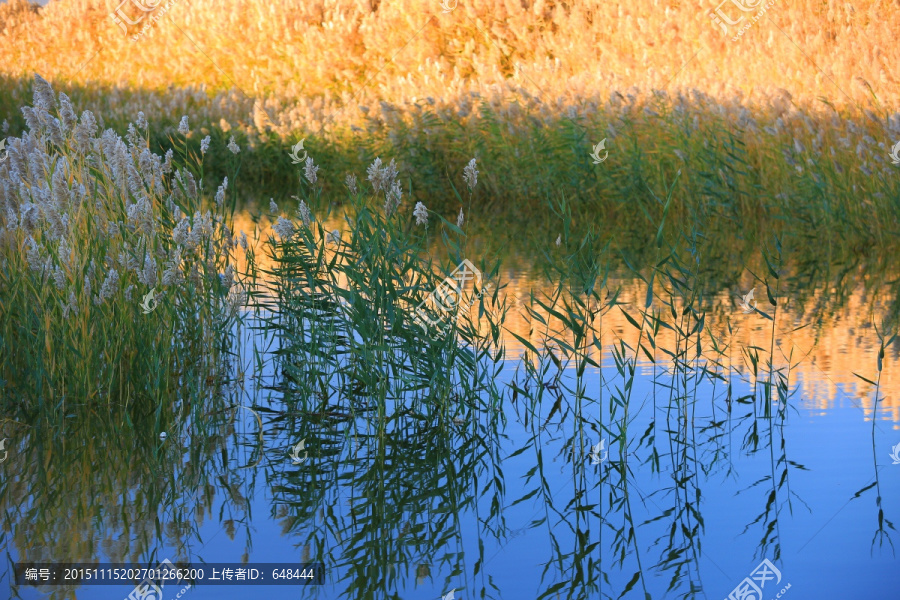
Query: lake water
[(693, 491)]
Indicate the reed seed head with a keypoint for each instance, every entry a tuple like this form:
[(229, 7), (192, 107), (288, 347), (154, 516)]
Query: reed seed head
[(421, 214)]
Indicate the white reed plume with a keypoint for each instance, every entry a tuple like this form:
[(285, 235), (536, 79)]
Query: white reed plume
[(470, 175), (309, 170), (421, 214), (283, 227)]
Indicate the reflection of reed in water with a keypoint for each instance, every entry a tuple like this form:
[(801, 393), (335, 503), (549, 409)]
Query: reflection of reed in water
[(71, 500), (394, 506), (840, 342)]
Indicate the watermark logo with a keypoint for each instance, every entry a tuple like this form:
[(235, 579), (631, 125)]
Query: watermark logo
[(132, 13), (748, 304), (294, 153), (751, 588), (448, 5), (448, 295), (895, 454), (596, 459), (451, 595), (726, 20), (721, 19), (4, 153), (147, 589), (5, 453), (895, 153), (295, 452), (596, 153), (150, 303)]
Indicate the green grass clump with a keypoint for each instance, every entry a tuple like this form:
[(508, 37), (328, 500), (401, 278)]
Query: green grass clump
[(89, 225), (345, 305)]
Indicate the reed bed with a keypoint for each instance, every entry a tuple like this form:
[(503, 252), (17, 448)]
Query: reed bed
[(352, 308), (116, 283), (300, 49)]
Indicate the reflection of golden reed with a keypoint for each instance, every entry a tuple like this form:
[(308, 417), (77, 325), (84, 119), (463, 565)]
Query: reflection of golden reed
[(829, 358)]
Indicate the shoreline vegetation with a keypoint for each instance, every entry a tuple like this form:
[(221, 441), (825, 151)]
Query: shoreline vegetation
[(115, 265)]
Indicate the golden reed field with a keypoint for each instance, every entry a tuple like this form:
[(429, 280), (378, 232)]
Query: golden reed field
[(315, 53), (283, 67)]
